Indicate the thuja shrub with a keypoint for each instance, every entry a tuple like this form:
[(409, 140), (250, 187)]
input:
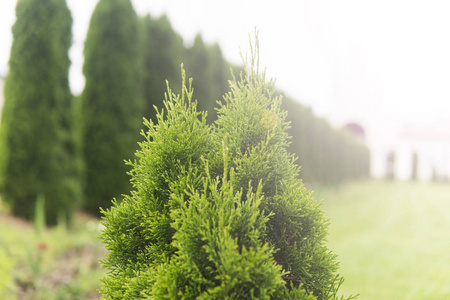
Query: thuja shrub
[(217, 211)]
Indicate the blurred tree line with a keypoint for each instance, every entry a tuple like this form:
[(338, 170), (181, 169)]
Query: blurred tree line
[(325, 154), (71, 150)]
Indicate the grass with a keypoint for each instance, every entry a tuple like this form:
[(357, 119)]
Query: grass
[(56, 264), (392, 238)]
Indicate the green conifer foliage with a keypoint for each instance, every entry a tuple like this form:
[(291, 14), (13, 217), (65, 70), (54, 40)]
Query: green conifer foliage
[(206, 64), (138, 230), (37, 139), (220, 74), (163, 51), (111, 103), (257, 140), (217, 211)]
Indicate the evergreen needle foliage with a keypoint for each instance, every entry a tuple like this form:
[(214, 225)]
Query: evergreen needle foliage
[(206, 64), (217, 211), (163, 52), (37, 152), (111, 103)]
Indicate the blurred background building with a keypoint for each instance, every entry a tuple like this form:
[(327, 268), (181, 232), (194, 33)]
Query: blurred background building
[(419, 151)]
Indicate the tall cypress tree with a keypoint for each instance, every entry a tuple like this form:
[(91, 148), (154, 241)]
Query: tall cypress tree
[(206, 64), (111, 103), (198, 67), (220, 74), (163, 52), (36, 144)]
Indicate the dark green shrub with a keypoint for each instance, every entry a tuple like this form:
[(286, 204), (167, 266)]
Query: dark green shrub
[(111, 103), (217, 211), (37, 141)]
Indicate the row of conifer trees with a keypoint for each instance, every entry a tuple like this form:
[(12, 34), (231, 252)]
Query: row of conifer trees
[(327, 155), (71, 150)]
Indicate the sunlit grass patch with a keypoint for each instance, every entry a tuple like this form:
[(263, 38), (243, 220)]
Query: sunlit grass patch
[(392, 238)]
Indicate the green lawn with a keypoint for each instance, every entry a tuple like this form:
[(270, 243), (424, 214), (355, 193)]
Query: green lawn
[(392, 238)]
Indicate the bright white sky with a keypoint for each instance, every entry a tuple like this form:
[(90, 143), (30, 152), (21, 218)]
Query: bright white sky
[(381, 63)]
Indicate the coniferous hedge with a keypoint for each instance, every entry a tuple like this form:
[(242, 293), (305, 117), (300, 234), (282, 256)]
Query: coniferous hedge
[(37, 139), (111, 103), (327, 155), (217, 211)]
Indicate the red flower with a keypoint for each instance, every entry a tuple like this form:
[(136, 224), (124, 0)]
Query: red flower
[(42, 246)]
